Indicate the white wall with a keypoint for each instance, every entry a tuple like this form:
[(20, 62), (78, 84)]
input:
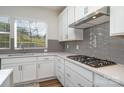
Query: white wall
[(38, 13)]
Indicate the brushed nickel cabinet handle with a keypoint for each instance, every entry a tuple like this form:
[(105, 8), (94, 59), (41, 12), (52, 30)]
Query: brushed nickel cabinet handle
[(80, 85), (68, 75), (38, 65), (20, 67), (59, 67)]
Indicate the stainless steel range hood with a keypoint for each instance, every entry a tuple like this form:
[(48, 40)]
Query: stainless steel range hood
[(98, 17)]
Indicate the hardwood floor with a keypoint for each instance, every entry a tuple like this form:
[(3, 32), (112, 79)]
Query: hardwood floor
[(50, 83)]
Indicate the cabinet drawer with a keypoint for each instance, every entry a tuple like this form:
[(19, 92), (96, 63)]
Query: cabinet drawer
[(46, 58), (101, 81), (82, 71), (60, 77), (60, 60), (18, 60), (68, 83), (76, 79), (60, 67)]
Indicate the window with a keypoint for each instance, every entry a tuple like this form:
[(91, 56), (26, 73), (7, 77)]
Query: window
[(4, 32), (30, 34)]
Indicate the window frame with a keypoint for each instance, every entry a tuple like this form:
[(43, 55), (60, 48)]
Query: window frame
[(15, 36), (8, 33)]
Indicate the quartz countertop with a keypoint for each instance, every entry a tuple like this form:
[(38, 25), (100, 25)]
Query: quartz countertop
[(4, 74), (113, 72)]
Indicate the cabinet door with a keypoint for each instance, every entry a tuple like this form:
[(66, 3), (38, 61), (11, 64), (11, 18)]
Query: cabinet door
[(65, 24), (76, 79), (16, 72), (79, 12), (71, 14), (60, 76), (60, 27), (28, 72), (116, 20), (68, 83), (45, 69), (101, 81)]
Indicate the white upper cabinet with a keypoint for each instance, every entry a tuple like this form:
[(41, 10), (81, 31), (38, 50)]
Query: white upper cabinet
[(73, 34), (60, 27), (116, 20), (92, 9), (71, 14), (79, 12), (65, 24), (82, 11), (66, 33)]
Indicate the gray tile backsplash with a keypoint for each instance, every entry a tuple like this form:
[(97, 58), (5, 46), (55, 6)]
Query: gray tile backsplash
[(98, 43), (53, 46)]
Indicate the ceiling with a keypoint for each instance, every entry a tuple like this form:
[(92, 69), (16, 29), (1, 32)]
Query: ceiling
[(55, 8)]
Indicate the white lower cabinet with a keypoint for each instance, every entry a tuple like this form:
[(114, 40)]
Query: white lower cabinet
[(28, 72), (60, 69), (76, 79), (22, 72), (45, 69), (60, 77), (68, 73), (68, 83), (101, 81)]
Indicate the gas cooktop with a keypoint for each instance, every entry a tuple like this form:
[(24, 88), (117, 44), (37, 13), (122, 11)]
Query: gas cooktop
[(91, 61)]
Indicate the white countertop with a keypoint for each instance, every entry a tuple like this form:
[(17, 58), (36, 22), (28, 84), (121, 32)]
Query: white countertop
[(4, 74), (114, 72)]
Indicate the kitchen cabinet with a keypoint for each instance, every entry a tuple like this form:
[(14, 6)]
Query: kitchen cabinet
[(45, 67), (24, 69), (60, 69), (60, 27), (66, 33), (92, 9), (79, 12), (70, 15), (76, 78), (30, 68), (73, 34), (65, 24), (68, 83), (28, 72), (82, 11), (116, 20), (45, 70), (101, 81), (22, 72), (82, 71)]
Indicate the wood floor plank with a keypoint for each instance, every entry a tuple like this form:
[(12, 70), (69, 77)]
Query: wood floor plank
[(50, 83)]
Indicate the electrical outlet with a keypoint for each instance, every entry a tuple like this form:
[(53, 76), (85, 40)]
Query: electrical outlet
[(77, 47)]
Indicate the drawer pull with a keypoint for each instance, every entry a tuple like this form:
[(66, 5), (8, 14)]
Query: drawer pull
[(38, 65), (59, 67), (46, 58), (68, 75), (80, 85)]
